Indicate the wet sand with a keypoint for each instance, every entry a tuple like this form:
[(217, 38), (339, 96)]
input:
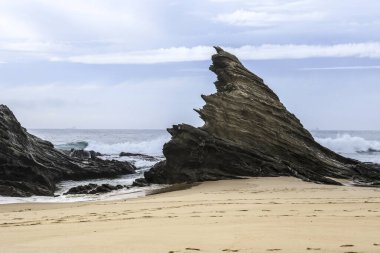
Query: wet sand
[(250, 215)]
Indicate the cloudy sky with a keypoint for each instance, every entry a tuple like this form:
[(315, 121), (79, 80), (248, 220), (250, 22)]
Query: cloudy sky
[(144, 64)]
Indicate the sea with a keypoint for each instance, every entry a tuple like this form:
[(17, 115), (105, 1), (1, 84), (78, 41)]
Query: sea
[(360, 145)]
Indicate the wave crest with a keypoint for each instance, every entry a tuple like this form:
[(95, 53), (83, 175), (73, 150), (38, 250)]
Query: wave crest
[(72, 145), (345, 143), (149, 147)]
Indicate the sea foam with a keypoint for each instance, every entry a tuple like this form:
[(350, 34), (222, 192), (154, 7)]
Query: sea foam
[(148, 147), (345, 143)]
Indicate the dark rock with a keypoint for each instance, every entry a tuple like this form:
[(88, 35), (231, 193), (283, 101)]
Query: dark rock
[(80, 154), (249, 132), (94, 154), (141, 156), (81, 189), (84, 154), (93, 189), (31, 166), (140, 182)]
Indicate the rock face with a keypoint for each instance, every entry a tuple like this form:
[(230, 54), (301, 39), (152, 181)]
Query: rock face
[(31, 166), (249, 132)]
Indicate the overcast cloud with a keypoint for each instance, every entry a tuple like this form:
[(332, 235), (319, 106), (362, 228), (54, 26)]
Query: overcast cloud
[(143, 64)]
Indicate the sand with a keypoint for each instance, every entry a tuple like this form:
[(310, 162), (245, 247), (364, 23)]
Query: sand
[(250, 215)]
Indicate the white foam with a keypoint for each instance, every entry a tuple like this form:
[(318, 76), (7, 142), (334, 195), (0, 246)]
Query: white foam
[(150, 147), (141, 165), (114, 195), (345, 143)]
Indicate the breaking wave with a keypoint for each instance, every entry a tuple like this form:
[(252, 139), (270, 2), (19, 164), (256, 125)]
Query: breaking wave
[(345, 143), (149, 147), (72, 145)]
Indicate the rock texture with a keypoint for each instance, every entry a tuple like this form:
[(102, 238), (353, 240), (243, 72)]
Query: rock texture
[(31, 166), (94, 189), (249, 132)]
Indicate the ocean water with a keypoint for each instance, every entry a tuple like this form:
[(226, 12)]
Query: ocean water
[(360, 145), (110, 143)]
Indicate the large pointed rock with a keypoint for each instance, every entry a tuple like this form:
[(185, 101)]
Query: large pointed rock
[(249, 132), (31, 166)]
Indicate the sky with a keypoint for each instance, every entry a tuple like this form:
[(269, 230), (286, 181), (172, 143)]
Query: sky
[(121, 64)]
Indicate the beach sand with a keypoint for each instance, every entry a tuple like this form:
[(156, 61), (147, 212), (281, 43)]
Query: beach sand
[(250, 215)]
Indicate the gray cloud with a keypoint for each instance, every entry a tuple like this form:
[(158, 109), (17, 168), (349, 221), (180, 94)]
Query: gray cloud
[(202, 53), (143, 64)]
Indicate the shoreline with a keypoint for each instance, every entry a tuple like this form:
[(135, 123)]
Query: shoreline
[(280, 214), (140, 192)]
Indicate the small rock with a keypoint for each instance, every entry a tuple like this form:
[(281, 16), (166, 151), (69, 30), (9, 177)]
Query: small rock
[(93, 189), (140, 182)]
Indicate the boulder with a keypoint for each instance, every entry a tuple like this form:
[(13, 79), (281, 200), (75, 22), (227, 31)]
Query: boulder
[(140, 182), (83, 154), (80, 154)]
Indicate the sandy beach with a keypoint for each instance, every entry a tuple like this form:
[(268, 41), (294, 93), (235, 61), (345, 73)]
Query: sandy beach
[(250, 215)]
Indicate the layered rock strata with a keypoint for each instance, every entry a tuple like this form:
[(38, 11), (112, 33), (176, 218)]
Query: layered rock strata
[(249, 132)]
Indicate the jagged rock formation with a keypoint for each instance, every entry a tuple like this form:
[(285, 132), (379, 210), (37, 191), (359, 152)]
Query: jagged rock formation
[(249, 132), (31, 166)]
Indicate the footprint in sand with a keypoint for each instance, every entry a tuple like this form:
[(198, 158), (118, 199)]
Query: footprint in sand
[(194, 249), (35, 223)]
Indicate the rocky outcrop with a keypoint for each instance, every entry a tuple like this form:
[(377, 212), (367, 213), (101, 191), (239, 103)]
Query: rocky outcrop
[(31, 166), (93, 189), (249, 132)]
